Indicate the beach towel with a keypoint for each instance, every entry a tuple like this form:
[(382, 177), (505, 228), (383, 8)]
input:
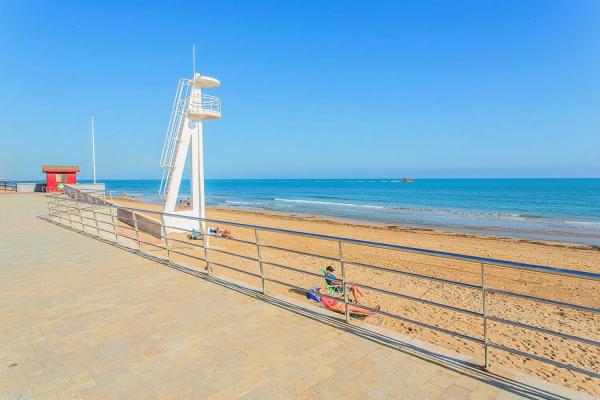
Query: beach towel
[(313, 294)]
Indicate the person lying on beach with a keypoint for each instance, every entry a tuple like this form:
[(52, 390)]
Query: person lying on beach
[(220, 232), (195, 235), (334, 285), (322, 297)]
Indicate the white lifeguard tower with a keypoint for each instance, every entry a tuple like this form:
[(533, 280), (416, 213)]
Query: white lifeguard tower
[(184, 134)]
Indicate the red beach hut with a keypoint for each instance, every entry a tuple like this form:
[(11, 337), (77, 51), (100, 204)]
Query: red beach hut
[(58, 175)]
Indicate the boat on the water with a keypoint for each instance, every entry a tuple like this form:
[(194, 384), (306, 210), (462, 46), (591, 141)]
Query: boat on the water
[(407, 180)]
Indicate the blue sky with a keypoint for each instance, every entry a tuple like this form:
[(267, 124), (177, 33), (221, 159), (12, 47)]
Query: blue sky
[(318, 89)]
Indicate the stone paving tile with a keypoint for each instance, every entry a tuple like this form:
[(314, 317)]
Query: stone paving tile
[(455, 392), (85, 320)]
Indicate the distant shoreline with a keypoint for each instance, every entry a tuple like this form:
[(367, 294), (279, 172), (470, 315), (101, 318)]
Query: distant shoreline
[(348, 223), (480, 231), (546, 237), (558, 210)]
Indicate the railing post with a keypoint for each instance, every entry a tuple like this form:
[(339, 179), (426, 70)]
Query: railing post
[(486, 363), (114, 220), (205, 229), (48, 204), (343, 267), (58, 208), (137, 231), (95, 219), (68, 210), (260, 264), (163, 230), (77, 204), (64, 209)]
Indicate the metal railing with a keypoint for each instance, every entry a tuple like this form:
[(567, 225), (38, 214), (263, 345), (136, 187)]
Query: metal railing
[(173, 133), (80, 210), (207, 104), (8, 186)]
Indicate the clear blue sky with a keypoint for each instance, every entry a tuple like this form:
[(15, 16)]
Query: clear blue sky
[(309, 89)]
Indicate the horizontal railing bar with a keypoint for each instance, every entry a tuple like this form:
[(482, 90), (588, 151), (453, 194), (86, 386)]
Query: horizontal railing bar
[(292, 269), (59, 211), (139, 221), (412, 274), (545, 360), (105, 214), (106, 223), (435, 253), (212, 236), (429, 302), (333, 259), (422, 324), (187, 255), (542, 300), (232, 254), (104, 230), (89, 226), (235, 269), (543, 330), (126, 227), (232, 239), (142, 241), (284, 283), (181, 241), (179, 230)]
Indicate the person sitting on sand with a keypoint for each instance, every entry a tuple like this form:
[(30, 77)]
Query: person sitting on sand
[(337, 286), (333, 304)]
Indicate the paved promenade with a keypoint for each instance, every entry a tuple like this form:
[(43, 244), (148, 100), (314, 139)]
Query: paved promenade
[(83, 319)]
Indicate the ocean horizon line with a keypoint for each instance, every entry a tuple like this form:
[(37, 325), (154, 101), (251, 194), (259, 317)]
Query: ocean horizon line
[(354, 178), (567, 207)]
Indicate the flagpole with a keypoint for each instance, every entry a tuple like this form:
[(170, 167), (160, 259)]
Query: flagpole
[(94, 148)]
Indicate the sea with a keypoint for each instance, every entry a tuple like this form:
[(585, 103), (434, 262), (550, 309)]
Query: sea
[(564, 210)]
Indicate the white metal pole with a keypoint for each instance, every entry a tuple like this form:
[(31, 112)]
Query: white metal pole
[(94, 148), (194, 63)]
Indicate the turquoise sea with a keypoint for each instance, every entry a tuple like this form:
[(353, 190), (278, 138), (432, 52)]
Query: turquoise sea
[(565, 210)]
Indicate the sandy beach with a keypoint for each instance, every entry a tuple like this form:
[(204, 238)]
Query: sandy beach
[(562, 319)]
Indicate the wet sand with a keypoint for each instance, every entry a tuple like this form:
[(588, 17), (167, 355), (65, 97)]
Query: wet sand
[(562, 319)]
